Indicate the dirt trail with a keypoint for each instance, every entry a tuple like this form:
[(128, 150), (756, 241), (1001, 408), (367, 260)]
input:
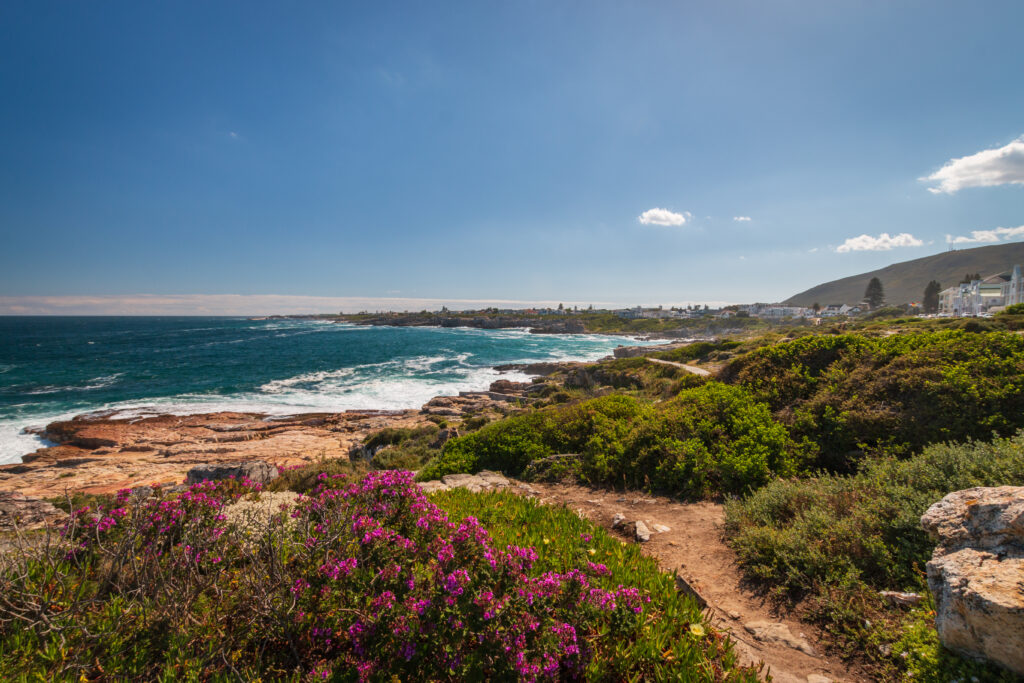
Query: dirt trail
[(693, 546), (683, 366)]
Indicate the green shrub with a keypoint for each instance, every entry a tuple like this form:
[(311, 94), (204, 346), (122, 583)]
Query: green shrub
[(708, 440), (1013, 309), (900, 392)]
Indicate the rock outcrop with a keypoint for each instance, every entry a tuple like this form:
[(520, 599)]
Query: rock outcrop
[(256, 471), (484, 480), (977, 573), (102, 453), (18, 511)]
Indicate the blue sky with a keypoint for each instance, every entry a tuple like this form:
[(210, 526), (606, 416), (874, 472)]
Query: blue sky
[(498, 150)]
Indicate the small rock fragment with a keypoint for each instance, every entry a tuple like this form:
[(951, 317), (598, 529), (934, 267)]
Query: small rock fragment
[(661, 528), (643, 534), (775, 632), (618, 519), (898, 598), (689, 588)]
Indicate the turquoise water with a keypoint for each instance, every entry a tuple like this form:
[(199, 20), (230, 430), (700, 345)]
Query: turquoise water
[(53, 368)]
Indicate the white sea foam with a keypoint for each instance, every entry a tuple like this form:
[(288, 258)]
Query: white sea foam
[(94, 383)]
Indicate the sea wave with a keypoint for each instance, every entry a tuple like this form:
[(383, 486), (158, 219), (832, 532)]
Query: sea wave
[(95, 383)]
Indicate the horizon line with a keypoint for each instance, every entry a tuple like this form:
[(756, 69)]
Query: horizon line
[(270, 304)]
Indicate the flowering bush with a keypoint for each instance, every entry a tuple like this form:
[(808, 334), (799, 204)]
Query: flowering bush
[(356, 580)]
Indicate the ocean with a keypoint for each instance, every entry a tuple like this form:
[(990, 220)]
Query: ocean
[(53, 368)]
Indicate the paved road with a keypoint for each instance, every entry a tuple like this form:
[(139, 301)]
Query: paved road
[(689, 368)]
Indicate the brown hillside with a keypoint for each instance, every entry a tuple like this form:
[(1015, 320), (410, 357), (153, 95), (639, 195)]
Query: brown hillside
[(905, 282)]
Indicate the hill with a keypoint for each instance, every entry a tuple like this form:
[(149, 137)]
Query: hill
[(905, 282)]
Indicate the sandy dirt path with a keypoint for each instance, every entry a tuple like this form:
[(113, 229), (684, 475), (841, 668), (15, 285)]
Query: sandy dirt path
[(683, 366)]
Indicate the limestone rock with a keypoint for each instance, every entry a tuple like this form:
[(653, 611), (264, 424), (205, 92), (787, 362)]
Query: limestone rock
[(618, 519), (485, 480), (493, 479), (775, 632), (690, 588), (661, 528), (976, 573), (643, 534), (255, 470), (26, 512), (898, 598)]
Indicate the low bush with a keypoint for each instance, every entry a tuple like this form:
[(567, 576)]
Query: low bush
[(366, 580), (709, 440)]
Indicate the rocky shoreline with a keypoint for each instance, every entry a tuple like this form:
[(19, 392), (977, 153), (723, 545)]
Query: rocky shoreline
[(104, 452)]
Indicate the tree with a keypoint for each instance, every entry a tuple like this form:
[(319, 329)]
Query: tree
[(874, 294), (816, 306), (968, 278), (931, 297)]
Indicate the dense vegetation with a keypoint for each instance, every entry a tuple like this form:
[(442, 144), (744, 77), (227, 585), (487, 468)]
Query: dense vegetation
[(830, 529), (840, 394), (365, 580), (707, 440), (837, 540)]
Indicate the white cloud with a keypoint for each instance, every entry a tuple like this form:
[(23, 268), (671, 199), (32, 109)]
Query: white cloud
[(883, 242), (664, 217), (1001, 166), (994, 235), (741, 219)]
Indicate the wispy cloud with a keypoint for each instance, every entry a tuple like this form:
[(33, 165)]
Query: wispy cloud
[(1001, 166), (982, 236), (742, 219), (664, 217), (883, 242), (242, 304)]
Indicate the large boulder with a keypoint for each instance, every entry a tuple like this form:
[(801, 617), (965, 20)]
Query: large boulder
[(256, 470), (977, 573)]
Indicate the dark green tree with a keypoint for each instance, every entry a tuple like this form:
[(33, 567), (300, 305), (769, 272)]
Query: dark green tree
[(968, 278), (874, 294), (931, 297)]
